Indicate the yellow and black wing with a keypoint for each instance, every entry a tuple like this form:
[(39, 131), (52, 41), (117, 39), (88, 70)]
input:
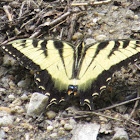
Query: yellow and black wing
[(62, 69), (100, 61)]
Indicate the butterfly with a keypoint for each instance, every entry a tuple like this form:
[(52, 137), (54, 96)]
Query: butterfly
[(63, 70)]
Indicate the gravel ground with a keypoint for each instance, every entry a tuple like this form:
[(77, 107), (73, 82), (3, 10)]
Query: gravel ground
[(23, 112)]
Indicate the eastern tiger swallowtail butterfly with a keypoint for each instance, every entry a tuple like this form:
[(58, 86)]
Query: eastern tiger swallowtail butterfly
[(62, 69)]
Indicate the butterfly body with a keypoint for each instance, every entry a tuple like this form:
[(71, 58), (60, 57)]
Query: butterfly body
[(62, 69)]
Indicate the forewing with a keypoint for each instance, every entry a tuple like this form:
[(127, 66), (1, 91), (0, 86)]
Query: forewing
[(53, 56)]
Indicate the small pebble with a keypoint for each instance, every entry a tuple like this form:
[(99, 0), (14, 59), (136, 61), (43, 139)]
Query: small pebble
[(120, 134), (129, 14), (95, 19), (17, 109), (49, 122), (5, 85), (88, 119), (105, 127), (24, 97), (72, 121), (136, 29), (61, 132), (12, 85), (6, 128), (61, 128), (51, 115), (67, 127), (8, 61), (103, 119), (77, 35), (17, 120), (2, 134), (100, 37), (49, 128), (5, 109), (17, 102), (27, 136), (11, 97), (5, 119), (19, 92), (62, 122), (136, 17), (53, 135), (23, 83), (2, 89), (112, 31), (5, 80), (89, 41), (26, 126), (56, 125), (114, 8)]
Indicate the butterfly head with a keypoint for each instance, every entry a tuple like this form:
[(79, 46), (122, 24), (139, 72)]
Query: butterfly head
[(72, 90)]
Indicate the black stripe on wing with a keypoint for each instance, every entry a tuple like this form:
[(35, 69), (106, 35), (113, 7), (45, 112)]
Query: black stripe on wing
[(60, 47), (125, 43), (101, 46), (35, 43), (116, 46), (44, 47)]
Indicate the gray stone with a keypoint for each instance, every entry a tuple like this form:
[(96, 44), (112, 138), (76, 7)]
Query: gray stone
[(8, 61), (11, 97), (88, 131), (129, 14), (89, 41), (17, 109), (120, 134), (49, 128), (100, 37), (2, 134), (2, 89), (53, 135), (37, 104), (68, 127), (51, 114), (136, 28), (76, 35), (23, 83), (5, 118), (24, 97)]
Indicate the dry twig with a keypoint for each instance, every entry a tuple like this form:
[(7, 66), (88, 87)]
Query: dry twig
[(9, 15), (56, 20), (90, 3), (122, 103)]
